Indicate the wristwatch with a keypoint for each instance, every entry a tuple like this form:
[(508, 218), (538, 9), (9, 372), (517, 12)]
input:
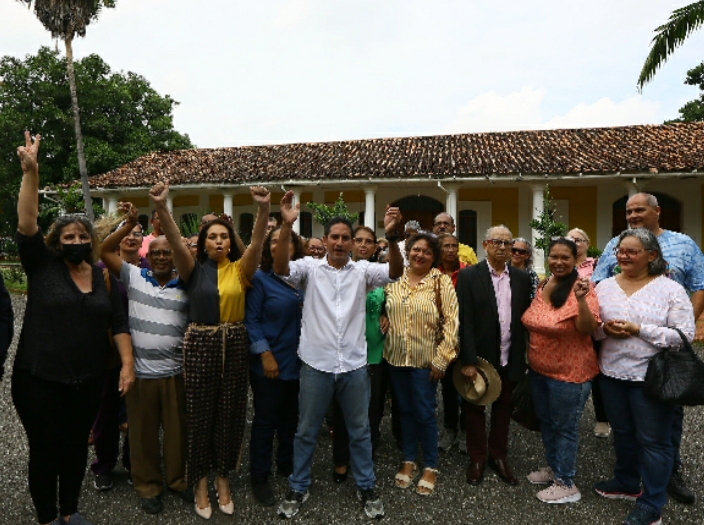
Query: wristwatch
[(392, 237)]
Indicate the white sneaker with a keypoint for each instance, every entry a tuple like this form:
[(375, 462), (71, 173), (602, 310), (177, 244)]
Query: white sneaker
[(448, 440), (542, 476), (559, 493), (602, 429)]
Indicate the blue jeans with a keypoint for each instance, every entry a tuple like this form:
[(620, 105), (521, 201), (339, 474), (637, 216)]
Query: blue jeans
[(415, 395), (352, 391), (559, 406), (642, 430)]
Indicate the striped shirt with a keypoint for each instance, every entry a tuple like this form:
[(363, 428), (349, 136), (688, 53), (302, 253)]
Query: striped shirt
[(660, 304), (158, 316), (413, 322)]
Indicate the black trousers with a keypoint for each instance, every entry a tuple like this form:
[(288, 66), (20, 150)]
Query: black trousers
[(453, 410), (275, 414), (57, 419)]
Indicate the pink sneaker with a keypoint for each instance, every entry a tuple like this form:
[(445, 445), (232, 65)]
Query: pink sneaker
[(559, 493), (542, 476)]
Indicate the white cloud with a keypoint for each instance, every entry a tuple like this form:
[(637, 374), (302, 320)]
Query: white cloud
[(605, 112), (523, 109)]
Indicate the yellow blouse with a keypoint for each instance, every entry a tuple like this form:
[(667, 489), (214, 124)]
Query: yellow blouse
[(413, 322)]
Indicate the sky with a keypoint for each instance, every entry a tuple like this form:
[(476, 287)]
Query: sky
[(282, 71)]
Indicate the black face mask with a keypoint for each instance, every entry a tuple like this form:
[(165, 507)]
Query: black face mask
[(76, 253)]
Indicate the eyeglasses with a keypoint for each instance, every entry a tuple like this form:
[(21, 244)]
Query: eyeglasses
[(316, 248), (630, 252), (519, 251), (160, 253), (580, 241), (135, 234), (500, 242), (360, 240)]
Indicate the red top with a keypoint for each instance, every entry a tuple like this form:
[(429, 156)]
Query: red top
[(453, 276), (556, 349)]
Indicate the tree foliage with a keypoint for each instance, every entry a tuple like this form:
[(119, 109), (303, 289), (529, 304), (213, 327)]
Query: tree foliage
[(323, 213), (693, 111), (67, 18), (669, 36), (547, 226), (123, 118)]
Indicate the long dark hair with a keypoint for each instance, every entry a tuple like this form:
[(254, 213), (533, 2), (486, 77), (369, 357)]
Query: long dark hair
[(267, 260), (234, 252), (564, 285)]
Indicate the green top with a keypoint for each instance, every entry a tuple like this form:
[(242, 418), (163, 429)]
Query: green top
[(375, 339)]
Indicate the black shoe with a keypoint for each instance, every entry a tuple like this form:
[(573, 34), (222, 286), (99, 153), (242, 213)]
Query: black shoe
[(284, 469), (102, 482), (339, 477), (186, 495), (261, 490), (152, 505), (677, 489)]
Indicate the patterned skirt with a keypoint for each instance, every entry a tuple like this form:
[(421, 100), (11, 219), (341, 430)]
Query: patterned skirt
[(216, 365)]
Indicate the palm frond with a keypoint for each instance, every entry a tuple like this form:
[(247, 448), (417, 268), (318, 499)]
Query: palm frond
[(681, 24), (67, 18)]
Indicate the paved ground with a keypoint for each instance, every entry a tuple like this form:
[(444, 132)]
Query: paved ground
[(455, 502)]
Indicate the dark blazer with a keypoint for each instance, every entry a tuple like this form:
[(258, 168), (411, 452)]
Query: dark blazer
[(479, 318)]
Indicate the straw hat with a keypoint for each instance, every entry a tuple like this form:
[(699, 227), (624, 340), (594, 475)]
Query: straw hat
[(486, 387)]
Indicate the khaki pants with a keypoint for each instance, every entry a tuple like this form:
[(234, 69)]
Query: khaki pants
[(153, 404)]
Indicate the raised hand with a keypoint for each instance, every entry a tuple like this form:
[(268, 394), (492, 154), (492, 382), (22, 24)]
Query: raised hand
[(28, 153), (129, 210), (159, 192), (260, 195), (289, 212), (392, 219), (581, 287)]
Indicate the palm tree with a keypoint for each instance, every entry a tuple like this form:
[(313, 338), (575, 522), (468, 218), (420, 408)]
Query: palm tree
[(682, 23), (67, 19)]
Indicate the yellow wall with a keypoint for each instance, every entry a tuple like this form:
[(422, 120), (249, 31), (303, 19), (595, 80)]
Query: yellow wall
[(143, 203), (583, 207), (504, 204), (347, 195), (215, 203), (186, 200)]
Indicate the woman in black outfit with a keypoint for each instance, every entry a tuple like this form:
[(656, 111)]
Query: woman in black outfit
[(62, 353)]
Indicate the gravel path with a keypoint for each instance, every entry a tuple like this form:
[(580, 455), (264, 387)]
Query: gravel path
[(454, 502)]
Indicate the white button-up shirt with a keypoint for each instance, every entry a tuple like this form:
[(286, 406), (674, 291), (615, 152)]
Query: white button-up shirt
[(333, 327)]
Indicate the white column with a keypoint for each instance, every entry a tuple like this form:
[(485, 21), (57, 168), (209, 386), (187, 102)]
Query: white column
[(110, 201), (632, 188), (370, 208), (451, 203), (296, 200), (227, 202), (538, 257), (170, 203)]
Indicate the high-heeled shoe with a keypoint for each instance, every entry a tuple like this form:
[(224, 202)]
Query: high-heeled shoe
[(204, 513), (228, 508)]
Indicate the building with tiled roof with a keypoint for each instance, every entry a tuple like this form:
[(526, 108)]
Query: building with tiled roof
[(479, 178)]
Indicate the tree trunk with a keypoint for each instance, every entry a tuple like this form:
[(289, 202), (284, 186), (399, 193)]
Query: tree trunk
[(79, 135)]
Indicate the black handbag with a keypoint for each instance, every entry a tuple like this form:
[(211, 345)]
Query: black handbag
[(521, 405), (676, 376)]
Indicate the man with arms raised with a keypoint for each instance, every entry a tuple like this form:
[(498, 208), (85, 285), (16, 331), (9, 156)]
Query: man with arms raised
[(333, 347)]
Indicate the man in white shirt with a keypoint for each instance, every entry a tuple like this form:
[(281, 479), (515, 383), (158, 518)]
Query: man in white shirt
[(333, 347)]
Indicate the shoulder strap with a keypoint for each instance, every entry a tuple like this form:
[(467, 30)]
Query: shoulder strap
[(438, 297)]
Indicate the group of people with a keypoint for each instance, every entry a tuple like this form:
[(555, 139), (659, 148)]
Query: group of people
[(182, 330)]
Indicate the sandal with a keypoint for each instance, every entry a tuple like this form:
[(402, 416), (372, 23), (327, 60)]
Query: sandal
[(427, 486), (403, 481)]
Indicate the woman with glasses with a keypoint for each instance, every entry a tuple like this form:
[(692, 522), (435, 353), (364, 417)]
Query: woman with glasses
[(365, 248), (215, 347), (585, 268), (585, 264), (420, 345), (522, 258), (273, 310), (639, 306), (562, 363)]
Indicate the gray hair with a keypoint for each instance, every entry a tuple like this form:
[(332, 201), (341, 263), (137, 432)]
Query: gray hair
[(529, 247), (411, 225), (487, 234), (650, 243), (650, 199)]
